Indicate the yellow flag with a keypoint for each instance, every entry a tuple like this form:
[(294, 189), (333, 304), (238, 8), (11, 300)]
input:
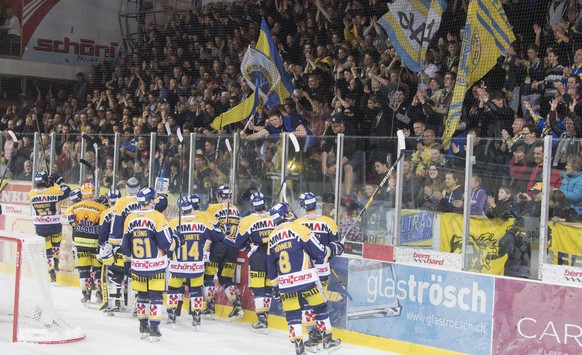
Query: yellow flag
[(487, 35)]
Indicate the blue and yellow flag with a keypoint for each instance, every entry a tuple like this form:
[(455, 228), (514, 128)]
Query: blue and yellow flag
[(266, 45), (410, 25), (238, 113), (487, 35)]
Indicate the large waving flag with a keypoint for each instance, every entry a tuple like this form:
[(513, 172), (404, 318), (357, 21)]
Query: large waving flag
[(410, 25), (285, 87), (263, 69), (487, 35), (238, 113)]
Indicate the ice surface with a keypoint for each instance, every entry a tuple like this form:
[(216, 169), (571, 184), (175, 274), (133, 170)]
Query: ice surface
[(119, 334)]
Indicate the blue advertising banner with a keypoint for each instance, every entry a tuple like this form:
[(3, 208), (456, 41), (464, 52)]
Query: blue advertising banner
[(416, 228), (438, 308)]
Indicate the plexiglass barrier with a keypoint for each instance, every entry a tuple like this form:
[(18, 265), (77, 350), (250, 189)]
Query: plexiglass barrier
[(477, 204)]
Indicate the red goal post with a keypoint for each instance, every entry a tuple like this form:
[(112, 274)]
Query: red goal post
[(26, 300)]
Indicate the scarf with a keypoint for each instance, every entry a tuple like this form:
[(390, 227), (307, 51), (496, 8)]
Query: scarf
[(505, 66)]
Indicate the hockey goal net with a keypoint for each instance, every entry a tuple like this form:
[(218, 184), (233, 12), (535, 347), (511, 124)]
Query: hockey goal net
[(25, 292)]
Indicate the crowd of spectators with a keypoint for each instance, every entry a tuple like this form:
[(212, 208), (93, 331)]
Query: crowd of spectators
[(348, 79)]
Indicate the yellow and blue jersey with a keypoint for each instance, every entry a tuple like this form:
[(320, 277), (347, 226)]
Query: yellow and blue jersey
[(291, 248), (146, 238), (254, 229), (106, 223), (122, 208), (86, 216), (218, 211), (325, 230), (45, 203), (196, 228)]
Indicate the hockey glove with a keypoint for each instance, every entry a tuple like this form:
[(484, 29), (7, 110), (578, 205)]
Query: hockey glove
[(336, 248), (276, 293), (56, 178), (127, 268)]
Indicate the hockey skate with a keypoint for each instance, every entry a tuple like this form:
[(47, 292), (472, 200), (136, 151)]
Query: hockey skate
[(196, 319), (53, 275), (98, 297), (86, 298), (331, 344), (262, 325), (208, 313), (237, 310), (299, 347), (313, 344), (144, 329), (155, 333), (171, 316)]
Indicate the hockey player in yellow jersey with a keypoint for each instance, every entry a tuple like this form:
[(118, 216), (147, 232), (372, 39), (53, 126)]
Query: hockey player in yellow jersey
[(254, 231), (147, 238), (222, 260), (112, 272), (325, 230), (291, 249), (186, 264), (48, 191), (86, 215), (122, 208)]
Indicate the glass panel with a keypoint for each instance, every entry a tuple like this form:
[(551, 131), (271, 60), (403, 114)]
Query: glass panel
[(18, 157)]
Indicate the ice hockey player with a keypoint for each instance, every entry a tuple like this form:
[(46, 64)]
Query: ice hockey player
[(291, 249), (48, 191), (111, 258), (146, 239), (254, 230), (223, 256), (194, 227), (85, 217), (123, 207), (325, 230)]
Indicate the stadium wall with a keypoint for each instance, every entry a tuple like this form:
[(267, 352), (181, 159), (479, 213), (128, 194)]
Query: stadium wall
[(408, 309)]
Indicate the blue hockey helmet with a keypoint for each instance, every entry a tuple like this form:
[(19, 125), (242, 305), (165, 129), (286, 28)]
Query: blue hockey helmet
[(145, 195), (113, 195), (41, 179), (223, 192), (307, 201), (258, 200), (75, 195), (279, 212), (195, 201), (185, 203)]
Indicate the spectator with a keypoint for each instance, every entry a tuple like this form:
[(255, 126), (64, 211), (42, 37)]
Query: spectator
[(452, 200), (478, 196), (572, 182), (26, 173), (504, 207)]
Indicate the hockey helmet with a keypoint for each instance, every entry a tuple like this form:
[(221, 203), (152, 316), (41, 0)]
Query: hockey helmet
[(223, 192), (113, 195), (88, 191), (185, 204), (41, 179), (307, 201), (258, 200), (75, 195), (145, 196), (195, 200), (279, 212)]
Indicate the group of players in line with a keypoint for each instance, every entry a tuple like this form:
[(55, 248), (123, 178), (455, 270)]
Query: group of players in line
[(132, 240)]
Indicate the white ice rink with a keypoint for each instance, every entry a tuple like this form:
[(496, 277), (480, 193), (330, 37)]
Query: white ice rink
[(119, 335)]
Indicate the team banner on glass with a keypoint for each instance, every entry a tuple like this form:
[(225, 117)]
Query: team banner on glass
[(410, 25)]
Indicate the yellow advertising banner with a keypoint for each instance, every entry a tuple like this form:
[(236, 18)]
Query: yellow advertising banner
[(483, 248), (566, 244)]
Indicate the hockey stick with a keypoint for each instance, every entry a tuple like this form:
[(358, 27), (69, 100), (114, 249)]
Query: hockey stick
[(297, 149), (14, 140), (93, 141), (401, 148), (230, 178), (214, 166), (181, 140), (341, 284)]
